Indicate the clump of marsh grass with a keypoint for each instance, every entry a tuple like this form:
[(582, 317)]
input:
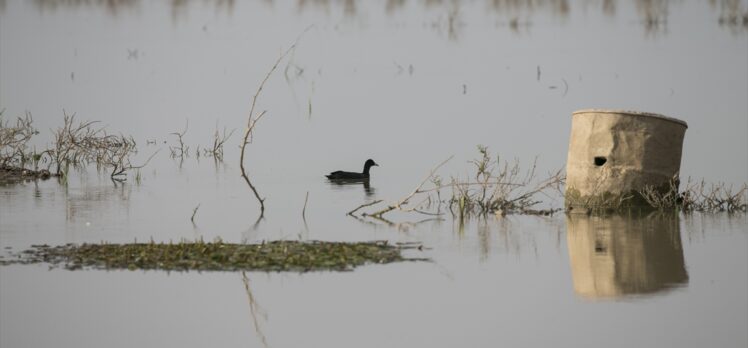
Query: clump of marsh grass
[(503, 187), (696, 196)]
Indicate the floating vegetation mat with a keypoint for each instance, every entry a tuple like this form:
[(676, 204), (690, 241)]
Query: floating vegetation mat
[(15, 174), (216, 256)]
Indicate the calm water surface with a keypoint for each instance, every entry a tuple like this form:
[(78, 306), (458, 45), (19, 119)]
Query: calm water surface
[(407, 83)]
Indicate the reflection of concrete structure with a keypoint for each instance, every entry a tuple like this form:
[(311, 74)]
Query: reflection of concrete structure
[(614, 153), (616, 256)]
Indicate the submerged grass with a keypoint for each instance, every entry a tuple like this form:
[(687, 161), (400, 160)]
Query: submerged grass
[(216, 256)]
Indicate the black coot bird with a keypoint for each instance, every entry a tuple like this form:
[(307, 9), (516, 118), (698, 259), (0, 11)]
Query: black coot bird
[(341, 175)]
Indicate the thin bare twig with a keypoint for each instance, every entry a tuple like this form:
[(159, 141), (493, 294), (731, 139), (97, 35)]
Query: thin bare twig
[(363, 206), (247, 133), (404, 201), (251, 122), (453, 184), (182, 150), (254, 309), (218, 141)]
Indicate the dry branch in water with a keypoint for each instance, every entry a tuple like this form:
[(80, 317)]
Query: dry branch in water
[(399, 204), (495, 187), (363, 206), (252, 122), (219, 139)]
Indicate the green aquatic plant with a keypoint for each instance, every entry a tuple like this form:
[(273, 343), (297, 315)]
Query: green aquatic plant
[(215, 256)]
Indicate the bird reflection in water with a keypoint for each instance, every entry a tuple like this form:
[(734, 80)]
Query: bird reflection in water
[(345, 184), (619, 256)]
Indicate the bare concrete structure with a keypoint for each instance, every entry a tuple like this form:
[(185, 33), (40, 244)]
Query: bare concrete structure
[(614, 153)]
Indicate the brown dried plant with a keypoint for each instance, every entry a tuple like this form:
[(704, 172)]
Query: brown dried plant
[(80, 144), (496, 187), (14, 139)]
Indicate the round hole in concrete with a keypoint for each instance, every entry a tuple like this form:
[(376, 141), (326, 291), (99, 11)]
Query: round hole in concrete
[(599, 160)]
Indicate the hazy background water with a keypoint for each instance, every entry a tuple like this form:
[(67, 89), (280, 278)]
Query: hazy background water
[(407, 83)]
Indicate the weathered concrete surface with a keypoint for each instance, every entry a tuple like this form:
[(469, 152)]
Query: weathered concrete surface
[(613, 153), (618, 256)]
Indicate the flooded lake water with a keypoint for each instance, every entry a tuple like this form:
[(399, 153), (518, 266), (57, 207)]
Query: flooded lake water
[(408, 84)]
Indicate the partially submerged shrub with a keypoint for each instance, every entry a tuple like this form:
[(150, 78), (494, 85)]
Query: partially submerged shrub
[(73, 145), (13, 141), (696, 196), (502, 187), (662, 197), (80, 144)]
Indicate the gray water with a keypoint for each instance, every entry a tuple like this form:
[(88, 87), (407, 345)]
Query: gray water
[(407, 83)]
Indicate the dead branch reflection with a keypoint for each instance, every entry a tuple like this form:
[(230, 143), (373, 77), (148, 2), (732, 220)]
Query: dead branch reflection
[(256, 311)]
